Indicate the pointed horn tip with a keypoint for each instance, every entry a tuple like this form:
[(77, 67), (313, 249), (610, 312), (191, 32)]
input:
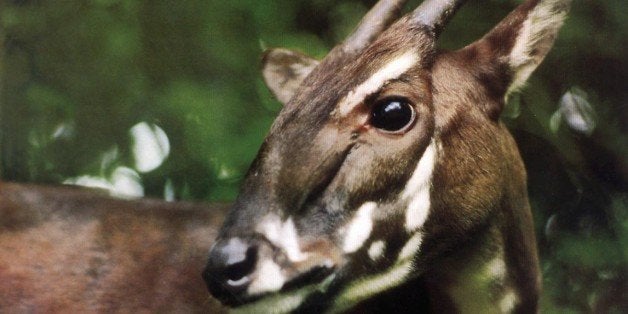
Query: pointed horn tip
[(435, 14), (376, 20)]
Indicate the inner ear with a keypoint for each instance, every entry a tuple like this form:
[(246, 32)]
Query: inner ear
[(520, 42), (284, 70)]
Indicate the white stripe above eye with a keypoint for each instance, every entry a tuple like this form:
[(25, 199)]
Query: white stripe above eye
[(391, 70)]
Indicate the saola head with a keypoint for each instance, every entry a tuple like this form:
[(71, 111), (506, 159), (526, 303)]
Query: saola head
[(385, 157)]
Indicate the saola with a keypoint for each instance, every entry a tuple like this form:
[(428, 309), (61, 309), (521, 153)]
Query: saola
[(388, 169)]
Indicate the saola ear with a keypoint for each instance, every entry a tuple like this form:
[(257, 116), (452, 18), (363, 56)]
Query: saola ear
[(518, 44), (284, 70)]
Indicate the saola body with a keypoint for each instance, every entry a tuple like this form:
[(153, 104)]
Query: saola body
[(388, 171), (75, 250)]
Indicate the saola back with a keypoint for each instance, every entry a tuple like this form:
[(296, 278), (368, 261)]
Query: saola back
[(388, 181), (72, 250)]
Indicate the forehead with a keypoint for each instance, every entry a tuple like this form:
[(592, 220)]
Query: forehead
[(345, 80)]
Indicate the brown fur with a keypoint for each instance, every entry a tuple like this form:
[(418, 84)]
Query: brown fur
[(486, 184), (66, 250)]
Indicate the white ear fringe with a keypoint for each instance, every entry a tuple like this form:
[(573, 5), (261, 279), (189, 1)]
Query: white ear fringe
[(535, 39)]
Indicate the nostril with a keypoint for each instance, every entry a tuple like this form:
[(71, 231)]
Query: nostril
[(237, 271)]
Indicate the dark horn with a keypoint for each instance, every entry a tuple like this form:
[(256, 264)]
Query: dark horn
[(436, 13), (384, 13)]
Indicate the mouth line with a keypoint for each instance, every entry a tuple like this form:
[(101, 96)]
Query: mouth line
[(316, 274), (285, 300), (307, 281)]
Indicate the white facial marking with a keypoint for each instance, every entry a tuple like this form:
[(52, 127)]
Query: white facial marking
[(376, 250), (545, 19), (411, 247), (508, 302), (371, 285), (283, 236), (417, 191), (359, 229), (269, 278), (391, 70), (496, 269)]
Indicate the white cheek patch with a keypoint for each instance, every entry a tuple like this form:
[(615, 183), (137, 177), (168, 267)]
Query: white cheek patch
[(541, 25), (359, 229), (269, 278), (417, 191), (496, 269), (282, 235), (391, 70), (508, 302), (376, 250)]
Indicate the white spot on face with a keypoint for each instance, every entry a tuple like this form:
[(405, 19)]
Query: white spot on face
[(411, 247), (508, 302), (417, 191), (542, 24), (391, 70), (376, 250), (359, 229), (269, 278), (282, 235), (366, 287), (496, 269)]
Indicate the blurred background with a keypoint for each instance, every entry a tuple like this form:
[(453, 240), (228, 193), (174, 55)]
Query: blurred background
[(165, 99)]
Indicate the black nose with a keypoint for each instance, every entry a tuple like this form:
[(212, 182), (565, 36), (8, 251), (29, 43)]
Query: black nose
[(228, 270)]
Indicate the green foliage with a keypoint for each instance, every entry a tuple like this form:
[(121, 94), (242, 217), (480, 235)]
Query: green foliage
[(77, 75)]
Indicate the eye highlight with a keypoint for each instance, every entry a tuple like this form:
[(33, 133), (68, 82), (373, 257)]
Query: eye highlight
[(392, 115)]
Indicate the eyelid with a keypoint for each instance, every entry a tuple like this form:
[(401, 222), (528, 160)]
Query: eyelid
[(381, 94), (400, 99), (391, 97)]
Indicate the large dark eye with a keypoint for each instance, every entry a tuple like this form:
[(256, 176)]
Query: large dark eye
[(392, 115)]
